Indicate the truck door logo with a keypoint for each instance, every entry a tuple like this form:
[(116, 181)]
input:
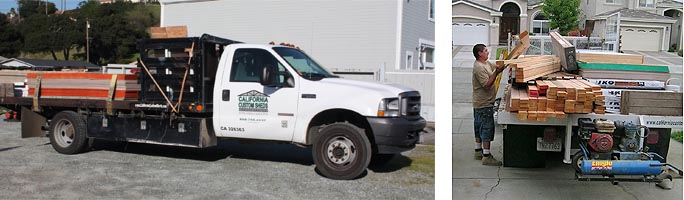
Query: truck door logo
[(253, 101)]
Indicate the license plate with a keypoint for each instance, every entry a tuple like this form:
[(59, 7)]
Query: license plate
[(548, 146)]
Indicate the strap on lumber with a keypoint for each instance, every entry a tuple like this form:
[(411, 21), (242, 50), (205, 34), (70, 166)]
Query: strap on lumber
[(110, 95), (36, 94), (173, 108), (185, 76)]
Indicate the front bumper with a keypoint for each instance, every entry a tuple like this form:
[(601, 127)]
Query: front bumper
[(396, 135)]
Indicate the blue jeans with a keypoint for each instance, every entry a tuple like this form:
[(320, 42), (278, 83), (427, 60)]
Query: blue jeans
[(484, 123)]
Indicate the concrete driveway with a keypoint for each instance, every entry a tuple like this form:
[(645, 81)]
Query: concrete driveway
[(471, 180)]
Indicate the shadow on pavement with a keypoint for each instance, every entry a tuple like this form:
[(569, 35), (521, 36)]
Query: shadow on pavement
[(8, 148), (266, 152), (396, 163)]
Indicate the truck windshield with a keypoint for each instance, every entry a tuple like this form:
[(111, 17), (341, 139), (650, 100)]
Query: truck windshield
[(305, 66)]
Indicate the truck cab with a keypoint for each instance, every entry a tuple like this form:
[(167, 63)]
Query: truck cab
[(272, 92)]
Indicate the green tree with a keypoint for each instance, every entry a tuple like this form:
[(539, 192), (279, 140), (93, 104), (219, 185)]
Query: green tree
[(52, 33), (10, 38), (562, 14), (27, 8), (113, 35)]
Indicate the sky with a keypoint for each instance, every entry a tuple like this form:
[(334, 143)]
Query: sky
[(6, 5)]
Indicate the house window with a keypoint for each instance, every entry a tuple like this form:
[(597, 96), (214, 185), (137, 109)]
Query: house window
[(431, 15), (426, 54), (647, 3), (540, 24), (409, 60)]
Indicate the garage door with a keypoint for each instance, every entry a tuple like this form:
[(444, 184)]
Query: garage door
[(640, 39), (470, 33)]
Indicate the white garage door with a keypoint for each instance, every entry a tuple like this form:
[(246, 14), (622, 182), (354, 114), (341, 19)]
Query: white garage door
[(640, 39), (470, 33)]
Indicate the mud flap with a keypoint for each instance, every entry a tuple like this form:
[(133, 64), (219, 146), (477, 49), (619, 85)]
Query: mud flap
[(32, 123)]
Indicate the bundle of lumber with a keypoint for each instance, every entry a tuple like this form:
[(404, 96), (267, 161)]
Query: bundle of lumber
[(532, 67), (561, 76), (169, 32), (83, 86), (609, 57), (624, 71), (555, 98)]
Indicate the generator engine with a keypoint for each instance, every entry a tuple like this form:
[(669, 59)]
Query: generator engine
[(630, 139), (601, 142)]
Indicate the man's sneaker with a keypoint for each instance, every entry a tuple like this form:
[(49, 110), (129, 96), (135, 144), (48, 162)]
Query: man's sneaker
[(478, 155), (490, 161)]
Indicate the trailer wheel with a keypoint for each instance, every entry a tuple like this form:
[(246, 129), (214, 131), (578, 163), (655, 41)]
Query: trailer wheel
[(577, 161), (68, 133), (342, 151)]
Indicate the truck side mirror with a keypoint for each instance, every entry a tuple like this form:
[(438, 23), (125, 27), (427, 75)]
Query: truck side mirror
[(267, 76)]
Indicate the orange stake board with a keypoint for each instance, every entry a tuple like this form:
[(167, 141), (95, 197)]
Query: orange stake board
[(83, 93)]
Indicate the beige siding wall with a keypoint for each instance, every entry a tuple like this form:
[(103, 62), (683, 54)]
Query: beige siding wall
[(467, 10)]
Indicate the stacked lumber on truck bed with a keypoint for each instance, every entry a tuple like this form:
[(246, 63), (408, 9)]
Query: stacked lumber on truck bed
[(609, 57), (554, 99), (169, 32), (83, 86), (624, 71), (530, 68)]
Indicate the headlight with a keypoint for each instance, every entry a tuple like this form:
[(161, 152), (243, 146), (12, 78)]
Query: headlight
[(389, 107)]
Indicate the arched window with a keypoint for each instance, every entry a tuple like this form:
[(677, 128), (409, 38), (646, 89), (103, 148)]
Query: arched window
[(540, 24)]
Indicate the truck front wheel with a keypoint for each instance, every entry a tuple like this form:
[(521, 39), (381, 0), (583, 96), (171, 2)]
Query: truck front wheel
[(342, 151), (68, 132)]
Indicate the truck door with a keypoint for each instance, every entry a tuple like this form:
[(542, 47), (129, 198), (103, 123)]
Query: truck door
[(252, 110)]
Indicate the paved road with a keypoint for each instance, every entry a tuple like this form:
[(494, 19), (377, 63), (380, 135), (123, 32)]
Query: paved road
[(473, 181), (31, 169)]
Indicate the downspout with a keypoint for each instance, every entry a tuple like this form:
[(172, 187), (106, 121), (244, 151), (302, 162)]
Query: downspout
[(397, 52)]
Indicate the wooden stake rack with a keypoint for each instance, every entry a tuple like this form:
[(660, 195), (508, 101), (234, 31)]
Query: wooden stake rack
[(554, 98)]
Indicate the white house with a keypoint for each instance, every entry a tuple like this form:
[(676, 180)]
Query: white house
[(392, 38)]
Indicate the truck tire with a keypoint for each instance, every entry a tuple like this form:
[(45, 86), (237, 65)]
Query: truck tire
[(68, 133), (342, 151)]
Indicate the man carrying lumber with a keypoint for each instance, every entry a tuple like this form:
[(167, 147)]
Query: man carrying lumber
[(484, 95)]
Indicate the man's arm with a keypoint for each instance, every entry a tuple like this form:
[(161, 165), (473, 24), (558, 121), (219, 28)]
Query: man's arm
[(490, 80)]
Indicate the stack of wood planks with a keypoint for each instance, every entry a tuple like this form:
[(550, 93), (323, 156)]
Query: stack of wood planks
[(555, 98), (530, 68), (624, 71), (169, 32), (83, 86), (609, 57)]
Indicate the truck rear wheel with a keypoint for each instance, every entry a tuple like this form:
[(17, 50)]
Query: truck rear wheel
[(68, 132), (342, 151)]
